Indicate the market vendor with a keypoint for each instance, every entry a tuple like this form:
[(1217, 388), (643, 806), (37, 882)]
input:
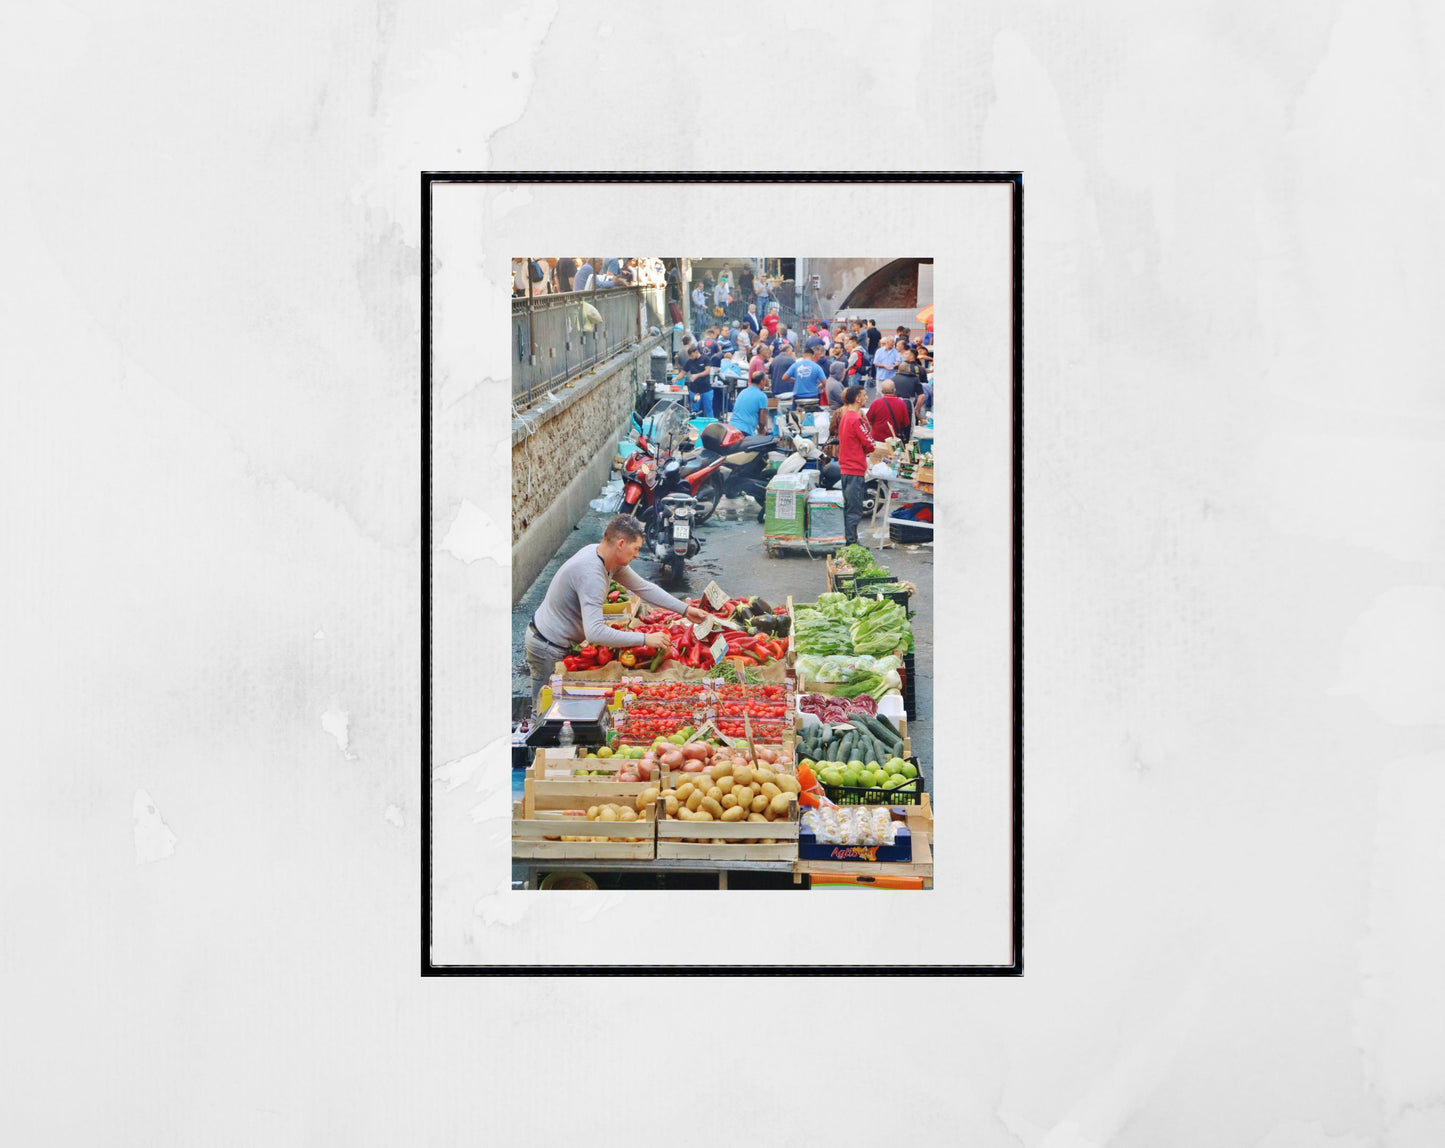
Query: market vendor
[(572, 610)]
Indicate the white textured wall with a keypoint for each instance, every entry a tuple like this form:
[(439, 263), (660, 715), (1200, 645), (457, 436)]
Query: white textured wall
[(208, 344)]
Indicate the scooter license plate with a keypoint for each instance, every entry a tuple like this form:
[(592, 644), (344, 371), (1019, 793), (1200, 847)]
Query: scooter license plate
[(681, 529)]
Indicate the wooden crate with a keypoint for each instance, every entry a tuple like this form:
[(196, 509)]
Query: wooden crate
[(725, 840), (559, 808), (551, 776), (901, 723), (614, 671)]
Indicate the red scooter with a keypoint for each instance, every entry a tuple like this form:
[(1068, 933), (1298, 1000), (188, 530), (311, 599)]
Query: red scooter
[(656, 495), (671, 436)]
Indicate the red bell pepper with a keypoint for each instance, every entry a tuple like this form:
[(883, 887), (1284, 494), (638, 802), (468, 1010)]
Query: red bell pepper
[(572, 662), (604, 655)]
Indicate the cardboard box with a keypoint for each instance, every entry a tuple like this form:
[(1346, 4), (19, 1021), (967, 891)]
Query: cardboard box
[(901, 850)]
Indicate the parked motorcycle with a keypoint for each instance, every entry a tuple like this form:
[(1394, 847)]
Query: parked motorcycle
[(734, 466), (719, 463), (656, 494)]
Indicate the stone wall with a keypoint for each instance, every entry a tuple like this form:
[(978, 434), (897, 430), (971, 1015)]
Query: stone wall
[(562, 451)]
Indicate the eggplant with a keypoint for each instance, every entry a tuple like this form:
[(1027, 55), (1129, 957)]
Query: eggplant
[(758, 606)]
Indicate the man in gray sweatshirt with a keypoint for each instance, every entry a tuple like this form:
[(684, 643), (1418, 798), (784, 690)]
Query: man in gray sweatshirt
[(572, 610)]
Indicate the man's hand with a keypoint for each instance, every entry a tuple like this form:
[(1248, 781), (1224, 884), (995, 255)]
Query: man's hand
[(696, 614), (658, 641)]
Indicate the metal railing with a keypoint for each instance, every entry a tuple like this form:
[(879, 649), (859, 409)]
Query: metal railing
[(550, 344)]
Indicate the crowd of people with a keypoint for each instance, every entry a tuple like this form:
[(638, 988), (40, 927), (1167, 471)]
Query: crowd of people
[(587, 273), (875, 385), (719, 360), (729, 295)]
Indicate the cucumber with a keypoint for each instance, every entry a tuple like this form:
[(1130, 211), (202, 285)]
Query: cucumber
[(885, 737), (882, 719)]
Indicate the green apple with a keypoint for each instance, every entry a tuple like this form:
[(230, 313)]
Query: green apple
[(602, 751), (910, 770), (896, 763), (893, 782)]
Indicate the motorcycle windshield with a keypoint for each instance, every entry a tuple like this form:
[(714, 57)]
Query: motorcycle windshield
[(667, 425)]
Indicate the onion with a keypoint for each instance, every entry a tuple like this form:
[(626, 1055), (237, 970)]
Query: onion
[(767, 755), (672, 758), (695, 751)]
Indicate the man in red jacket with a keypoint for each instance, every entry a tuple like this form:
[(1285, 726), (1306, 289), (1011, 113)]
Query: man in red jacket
[(855, 444), (889, 417)]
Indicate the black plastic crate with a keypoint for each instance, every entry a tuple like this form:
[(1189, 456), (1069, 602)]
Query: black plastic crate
[(900, 597), (867, 795), (910, 690)]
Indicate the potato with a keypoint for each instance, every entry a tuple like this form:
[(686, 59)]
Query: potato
[(715, 792), (733, 814), (756, 787), (672, 806), (684, 791), (684, 813), (770, 789), (742, 774), (721, 769), (695, 799), (728, 800), (592, 813), (712, 806), (788, 783), (780, 804), (627, 815), (759, 803), (763, 773), (647, 797), (756, 817), (607, 813), (703, 815)]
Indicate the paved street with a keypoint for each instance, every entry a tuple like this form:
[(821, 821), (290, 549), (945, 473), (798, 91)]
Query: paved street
[(733, 555)]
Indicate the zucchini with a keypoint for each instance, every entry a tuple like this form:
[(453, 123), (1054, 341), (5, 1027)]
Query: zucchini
[(882, 719)]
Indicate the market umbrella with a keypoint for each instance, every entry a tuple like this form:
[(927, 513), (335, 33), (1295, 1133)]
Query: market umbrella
[(926, 315)]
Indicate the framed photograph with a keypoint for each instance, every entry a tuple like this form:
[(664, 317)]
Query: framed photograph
[(723, 573)]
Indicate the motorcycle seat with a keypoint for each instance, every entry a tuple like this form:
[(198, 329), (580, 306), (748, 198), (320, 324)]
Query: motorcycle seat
[(755, 443), (692, 466)]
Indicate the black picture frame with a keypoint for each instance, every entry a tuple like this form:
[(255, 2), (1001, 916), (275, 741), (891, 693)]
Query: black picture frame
[(1015, 179)]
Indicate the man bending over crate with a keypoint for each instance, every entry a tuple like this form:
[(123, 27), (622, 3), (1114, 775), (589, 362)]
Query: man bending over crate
[(572, 610)]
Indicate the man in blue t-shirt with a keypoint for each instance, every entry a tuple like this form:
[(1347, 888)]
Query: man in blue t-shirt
[(750, 411), (806, 376)]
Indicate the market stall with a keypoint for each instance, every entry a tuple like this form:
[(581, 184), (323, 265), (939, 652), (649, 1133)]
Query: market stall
[(772, 743), (907, 501)]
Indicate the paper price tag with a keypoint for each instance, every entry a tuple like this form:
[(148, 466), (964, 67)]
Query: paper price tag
[(714, 595), (785, 503), (719, 649)]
